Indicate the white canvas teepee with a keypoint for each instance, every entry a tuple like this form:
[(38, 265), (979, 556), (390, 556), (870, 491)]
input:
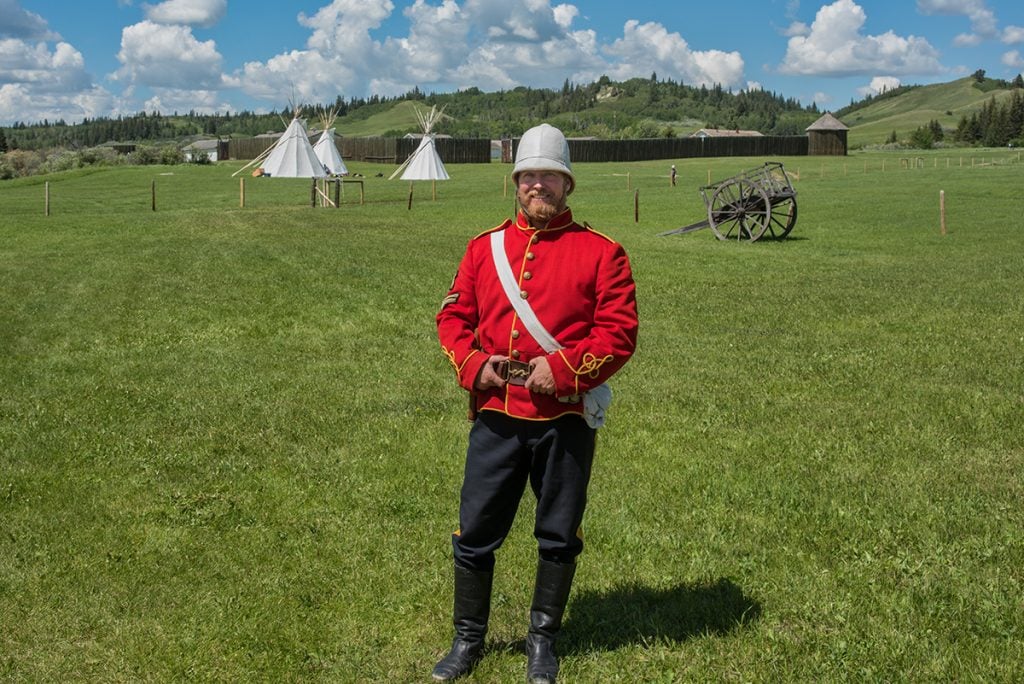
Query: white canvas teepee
[(425, 163), (327, 152), (292, 156)]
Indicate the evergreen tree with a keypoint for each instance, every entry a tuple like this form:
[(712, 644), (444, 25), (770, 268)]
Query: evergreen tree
[(3, 141), (922, 138), (1016, 114)]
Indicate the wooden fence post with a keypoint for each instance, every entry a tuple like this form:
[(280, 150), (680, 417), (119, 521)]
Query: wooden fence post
[(241, 193), (153, 194), (942, 211), (312, 194), (47, 196), (636, 206)]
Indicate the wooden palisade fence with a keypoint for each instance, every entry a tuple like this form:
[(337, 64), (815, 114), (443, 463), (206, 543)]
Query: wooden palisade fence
[(478, 150)]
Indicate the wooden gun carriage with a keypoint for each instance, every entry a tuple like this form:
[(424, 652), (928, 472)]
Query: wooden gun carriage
[(757, 202)]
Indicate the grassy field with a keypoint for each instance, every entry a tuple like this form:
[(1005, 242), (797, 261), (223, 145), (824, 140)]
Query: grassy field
[(946, 103), (230, 447)]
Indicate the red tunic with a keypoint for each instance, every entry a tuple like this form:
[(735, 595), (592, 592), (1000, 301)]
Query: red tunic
[(579, 284)]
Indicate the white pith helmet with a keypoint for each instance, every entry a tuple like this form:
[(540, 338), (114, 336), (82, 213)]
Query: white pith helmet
[(544, 148)]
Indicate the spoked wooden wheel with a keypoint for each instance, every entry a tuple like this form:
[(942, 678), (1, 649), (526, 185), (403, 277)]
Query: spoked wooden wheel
[(739, 210), (783, 218)]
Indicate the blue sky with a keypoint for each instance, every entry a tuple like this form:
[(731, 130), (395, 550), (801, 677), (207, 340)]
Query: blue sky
[(69, 59)]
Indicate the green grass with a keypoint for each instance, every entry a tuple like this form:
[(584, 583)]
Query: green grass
[(400, 117), (946, 103), (230, 448)]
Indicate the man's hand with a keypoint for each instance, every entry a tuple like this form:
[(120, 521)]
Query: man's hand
[(489, 376), (541, 380)]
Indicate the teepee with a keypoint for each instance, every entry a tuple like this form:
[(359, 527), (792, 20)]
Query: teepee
[(425, 163), (327, 151), (292, 156)]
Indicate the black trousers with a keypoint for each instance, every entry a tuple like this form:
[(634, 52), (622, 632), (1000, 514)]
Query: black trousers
[(555, 456)]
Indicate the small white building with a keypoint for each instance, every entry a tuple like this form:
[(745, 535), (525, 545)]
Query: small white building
[(209, 148)]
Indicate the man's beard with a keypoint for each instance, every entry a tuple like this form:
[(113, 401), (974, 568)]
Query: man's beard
[(540, 209)]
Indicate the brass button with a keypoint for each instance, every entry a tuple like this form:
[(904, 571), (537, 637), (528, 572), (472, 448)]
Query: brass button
[(534, 240), (515, 334), (515, 353), (530, 256), (524, 294), (527, 275)]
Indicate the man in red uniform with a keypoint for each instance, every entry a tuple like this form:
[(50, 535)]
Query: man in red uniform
[(541, 313)]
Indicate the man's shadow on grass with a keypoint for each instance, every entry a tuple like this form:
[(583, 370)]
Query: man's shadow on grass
[(633, 614)]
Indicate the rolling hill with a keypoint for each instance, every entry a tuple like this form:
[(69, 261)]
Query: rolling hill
[(870, 123), (946, 103)]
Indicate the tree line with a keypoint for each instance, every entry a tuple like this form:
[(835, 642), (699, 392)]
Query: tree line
[(636, 108), (994, 125)]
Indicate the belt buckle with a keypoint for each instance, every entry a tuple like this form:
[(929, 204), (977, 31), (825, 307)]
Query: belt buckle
[(516, 372)]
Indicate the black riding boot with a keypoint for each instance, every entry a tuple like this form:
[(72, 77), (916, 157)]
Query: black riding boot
[(550, 594), (472, 608)]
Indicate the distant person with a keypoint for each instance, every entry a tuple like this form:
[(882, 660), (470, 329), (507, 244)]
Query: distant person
[(541, 313), (672, 175)]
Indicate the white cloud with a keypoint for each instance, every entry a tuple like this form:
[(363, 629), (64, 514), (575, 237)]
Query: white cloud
[(836, 47), (965, 40), (341, 57), (16, 22), (436, 43), (494, 44), (878, 85), (203, 13), (649, 47), (167, 100), (483, 67), (517, 20), (341, 28), (523, 42), (168, 57), (39, 80), (35, 67), (1013, 34), (797, 28), (21, 102), (300, 75), (565, 15), (983, 20), (1013, 59)]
